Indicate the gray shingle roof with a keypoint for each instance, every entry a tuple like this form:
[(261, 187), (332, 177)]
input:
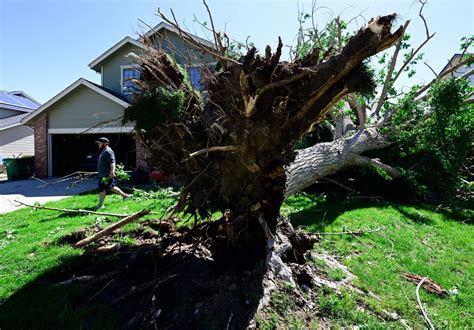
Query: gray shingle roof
[(11, 121)]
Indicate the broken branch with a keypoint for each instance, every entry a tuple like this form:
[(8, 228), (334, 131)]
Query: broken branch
[(429, 284), (388, 79), (190, 40), (206, 150), (71, 210), (108, 230), (362, 160)]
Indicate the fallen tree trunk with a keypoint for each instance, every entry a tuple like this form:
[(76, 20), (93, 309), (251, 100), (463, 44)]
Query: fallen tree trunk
[(323, 159)]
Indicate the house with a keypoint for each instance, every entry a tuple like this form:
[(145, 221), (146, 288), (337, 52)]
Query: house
[(15, 139), (66, 126), (463, 70)]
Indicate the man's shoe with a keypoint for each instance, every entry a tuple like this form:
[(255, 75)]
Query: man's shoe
[(100, 207), (125, 198)]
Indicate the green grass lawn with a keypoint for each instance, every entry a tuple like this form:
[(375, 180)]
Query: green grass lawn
[(29, 248), (415, 239)]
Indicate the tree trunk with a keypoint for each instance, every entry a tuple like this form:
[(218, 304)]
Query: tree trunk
[(323, 159)]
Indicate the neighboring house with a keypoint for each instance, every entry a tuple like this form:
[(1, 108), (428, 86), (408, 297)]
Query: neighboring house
[(463, 70), (15, 139), (66, 126)]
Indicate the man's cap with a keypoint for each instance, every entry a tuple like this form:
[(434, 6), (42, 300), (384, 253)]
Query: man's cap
[(102, 139)]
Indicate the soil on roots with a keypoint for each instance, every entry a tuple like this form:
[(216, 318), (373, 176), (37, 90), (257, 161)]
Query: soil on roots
[(165, 279)]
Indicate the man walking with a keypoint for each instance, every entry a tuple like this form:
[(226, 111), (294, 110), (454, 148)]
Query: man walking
[(106, 169)]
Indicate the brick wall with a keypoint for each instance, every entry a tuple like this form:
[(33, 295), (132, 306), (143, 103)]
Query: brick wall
[(41, 146), (141, 154)]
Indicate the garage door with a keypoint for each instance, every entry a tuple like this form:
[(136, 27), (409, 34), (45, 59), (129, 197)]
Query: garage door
[(79, 152)]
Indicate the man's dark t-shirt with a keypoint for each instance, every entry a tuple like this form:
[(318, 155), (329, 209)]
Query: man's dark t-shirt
[(106, 157)]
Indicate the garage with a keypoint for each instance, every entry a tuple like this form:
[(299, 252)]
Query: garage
[(79, 152), (67, 126)]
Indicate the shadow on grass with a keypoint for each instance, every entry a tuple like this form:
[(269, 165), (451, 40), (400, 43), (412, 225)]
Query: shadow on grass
[(63, 215), (464, 215), (136, 287), (323, 212)]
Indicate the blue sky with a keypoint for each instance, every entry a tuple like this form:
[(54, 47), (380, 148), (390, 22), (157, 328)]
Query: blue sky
[(45, 45)]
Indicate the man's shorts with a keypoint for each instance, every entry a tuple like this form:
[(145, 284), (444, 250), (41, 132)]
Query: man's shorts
[(106, 183)]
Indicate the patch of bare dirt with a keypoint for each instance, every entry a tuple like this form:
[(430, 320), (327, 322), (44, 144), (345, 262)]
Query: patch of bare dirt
[(167, 279)]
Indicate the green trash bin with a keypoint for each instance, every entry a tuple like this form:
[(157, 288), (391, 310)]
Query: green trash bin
[(19, 168)]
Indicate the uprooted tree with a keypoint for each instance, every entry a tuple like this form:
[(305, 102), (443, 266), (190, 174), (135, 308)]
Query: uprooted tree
[(229, 149), (425, 132)]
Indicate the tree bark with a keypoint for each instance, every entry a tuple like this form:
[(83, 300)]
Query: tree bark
[(323, 159)]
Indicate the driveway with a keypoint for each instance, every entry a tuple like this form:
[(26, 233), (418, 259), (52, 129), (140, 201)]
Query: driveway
[(31, 191)]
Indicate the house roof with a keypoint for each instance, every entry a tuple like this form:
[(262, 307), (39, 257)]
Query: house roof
[(18, 100), (12, 121), (95, 64), (169, 27), (80, 82), (453, 61)]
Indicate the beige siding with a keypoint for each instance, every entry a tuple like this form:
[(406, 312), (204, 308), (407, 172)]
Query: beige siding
[(111, 73), (16, 140), (174, 45), (84, 108)]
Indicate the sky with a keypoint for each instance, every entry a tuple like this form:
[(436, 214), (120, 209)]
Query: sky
[(46, 45)]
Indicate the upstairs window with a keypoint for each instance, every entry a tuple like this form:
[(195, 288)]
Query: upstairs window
[(196, 72), (129, 73)]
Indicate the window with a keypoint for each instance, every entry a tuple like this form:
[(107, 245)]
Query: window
[(195, 73), (195, 77), (128, 74)]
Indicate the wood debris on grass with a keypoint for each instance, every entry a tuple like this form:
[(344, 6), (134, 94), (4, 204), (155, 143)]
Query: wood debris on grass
[(108, 230), (429, 285)]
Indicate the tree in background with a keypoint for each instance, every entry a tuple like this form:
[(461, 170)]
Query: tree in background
[(426, 133)]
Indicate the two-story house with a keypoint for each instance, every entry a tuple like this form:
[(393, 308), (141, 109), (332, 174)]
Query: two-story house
[(464, 70), (15, 139), (66, 126)]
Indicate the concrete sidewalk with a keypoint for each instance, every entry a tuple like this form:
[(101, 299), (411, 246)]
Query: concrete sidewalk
[(31, 191)]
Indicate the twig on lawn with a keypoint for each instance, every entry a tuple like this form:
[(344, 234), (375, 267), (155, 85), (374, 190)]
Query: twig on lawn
[(143, 287), (430, 285), (421, 305), (84, 278), (97, 293), (391, 242), (71, 210), (66, 178), (108, 230), (371, 198), (119, 215), (230, 320), (357, 232), (341, 185), (176, 208), (360, 241)]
